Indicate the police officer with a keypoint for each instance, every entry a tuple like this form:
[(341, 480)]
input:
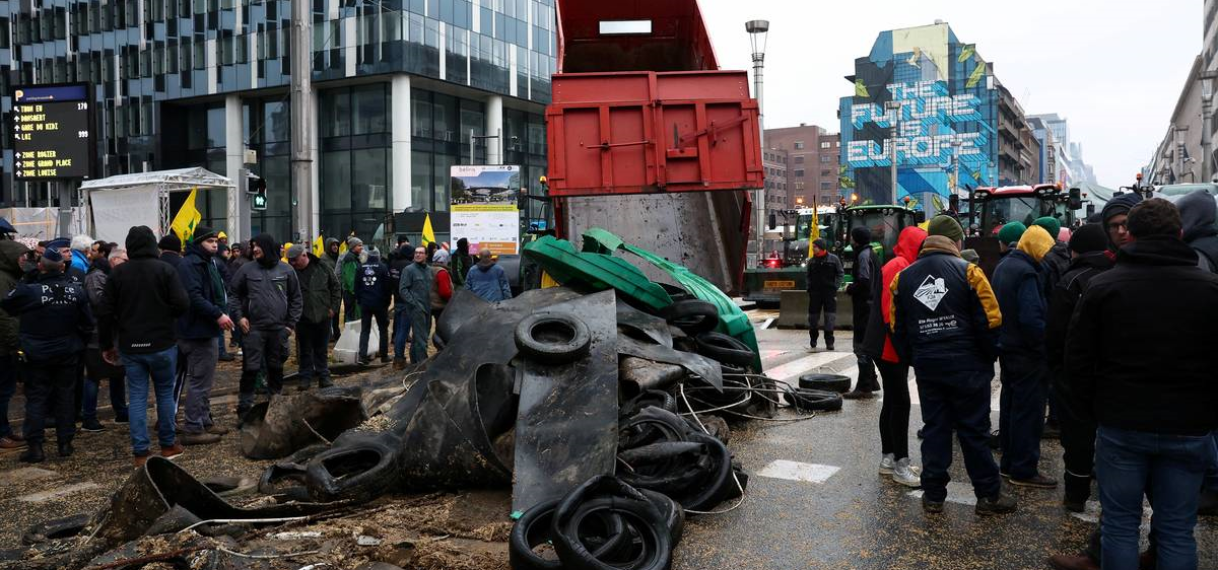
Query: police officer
[(945, 322), (55, 321)]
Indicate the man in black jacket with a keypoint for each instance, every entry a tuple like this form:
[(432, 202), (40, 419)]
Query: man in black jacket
[(55, 321), (321, 296), (266, 304), (866, 270), (1198, 212), (137, 322), (171, 249), (824, 279), (197, 333), (1156, 406)]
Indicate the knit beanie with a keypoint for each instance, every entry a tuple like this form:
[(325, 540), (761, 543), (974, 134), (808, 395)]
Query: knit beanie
[(860, 234), (1011, 232), (1089, 238), (1050, 224), (945, 226)]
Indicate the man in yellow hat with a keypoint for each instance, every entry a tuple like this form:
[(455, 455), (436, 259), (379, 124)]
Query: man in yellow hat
[(222, 238)]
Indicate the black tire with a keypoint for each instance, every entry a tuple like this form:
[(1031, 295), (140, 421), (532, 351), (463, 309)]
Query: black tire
[(719, 476), (535, 527), (725, 349), (825, 382), (692, 316), (553, 337), (649, 398), (640, 515), (674, 515), (438, 342), (812, 400)]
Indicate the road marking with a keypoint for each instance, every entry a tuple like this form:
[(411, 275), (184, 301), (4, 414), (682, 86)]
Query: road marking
[(24, 475), (57, 493), (803, 365), (913, 391), (959, 493), (1091, 514), (796, 471)]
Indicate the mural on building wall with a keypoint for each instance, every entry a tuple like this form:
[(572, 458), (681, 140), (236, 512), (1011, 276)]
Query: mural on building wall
[(945, 111)]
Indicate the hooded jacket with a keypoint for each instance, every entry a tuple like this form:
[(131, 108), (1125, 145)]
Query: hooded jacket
[(489, 281), (878, 342), (206, 291), (1139, 349), (373, 288), (461, 263), (1019, 286), (1062, 302), (11, 253), (824, 274), (319, 291), (944, 316), (1054, 265), (55, 318), (1198, 212), (142, 300), (266, 291), (327, 259), (401, 260)]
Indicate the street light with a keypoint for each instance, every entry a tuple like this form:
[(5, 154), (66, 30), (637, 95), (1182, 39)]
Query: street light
[(758, 34), (894, 107)]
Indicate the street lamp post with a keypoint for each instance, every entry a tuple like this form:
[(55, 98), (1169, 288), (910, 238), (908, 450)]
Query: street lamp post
[(893, 107), (758, 32), (1207, 123)]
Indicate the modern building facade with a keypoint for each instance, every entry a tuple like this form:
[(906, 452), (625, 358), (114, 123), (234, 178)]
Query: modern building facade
[(1018, 149), (403, 89), (931, 100), (1067, 166), (813, 155)]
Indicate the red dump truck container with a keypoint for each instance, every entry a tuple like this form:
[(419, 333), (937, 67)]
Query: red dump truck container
[(641, 122), (646, 132)]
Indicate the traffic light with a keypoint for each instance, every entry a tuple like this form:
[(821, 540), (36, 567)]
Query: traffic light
[(257, 189)]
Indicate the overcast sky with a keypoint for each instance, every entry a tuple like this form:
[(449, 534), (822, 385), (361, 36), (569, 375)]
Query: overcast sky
[(1114, 68)]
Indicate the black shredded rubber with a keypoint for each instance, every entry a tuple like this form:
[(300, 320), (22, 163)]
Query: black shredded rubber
[(724, 348), (812, 400), (826, 382), (553, 337), (692, 316)]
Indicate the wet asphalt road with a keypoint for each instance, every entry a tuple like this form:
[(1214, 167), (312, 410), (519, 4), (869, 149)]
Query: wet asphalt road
[(857, 518)]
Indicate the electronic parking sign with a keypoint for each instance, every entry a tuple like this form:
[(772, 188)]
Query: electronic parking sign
[(52, 132)]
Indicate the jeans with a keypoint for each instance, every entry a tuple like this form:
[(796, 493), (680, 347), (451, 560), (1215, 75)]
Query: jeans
[(382, 328), (1021, 419), (401, 330), (200, 356), (159, 369), (97, 369), (312, 347), (221, 348), (894, 415), (1174, 467), (45, 381), (420, 324), (959, 401), (819, 302), (8, 387)]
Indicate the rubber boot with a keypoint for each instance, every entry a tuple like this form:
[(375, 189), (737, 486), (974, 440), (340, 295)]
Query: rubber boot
[(1078, 490), (245, 401)]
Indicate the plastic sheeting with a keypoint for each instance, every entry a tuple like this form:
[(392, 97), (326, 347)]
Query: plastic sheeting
[(116, 211), (40, 223)]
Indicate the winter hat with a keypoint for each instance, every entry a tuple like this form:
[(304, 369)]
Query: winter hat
[(945, 226), (59, 243), (353, 241), (171, 242), (1050, 224), (971, 256), (440, 257), (52, 255), (1120, 205), (1011, 232), (1064, 235), (860, 234), (821, 243), (1089, 238), (203, 233), (296, 251), (269, 247)]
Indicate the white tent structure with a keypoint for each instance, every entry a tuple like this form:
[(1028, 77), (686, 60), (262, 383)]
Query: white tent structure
[(142, 199)]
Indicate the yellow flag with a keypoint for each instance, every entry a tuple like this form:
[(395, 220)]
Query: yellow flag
[(319, 247), (284, 251), (187, 219), (429, 235), (977, 75), (814, 231), (860, 89)]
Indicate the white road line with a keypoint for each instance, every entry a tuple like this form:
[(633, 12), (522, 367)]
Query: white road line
[(913, 391), (796, 471), (802, 365), (959, 493), (56, 492)]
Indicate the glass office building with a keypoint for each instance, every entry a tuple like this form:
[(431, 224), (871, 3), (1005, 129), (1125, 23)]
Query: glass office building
[(400, 86)]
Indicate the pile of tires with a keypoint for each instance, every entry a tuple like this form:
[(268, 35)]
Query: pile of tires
[(602, 524), (662, 452)]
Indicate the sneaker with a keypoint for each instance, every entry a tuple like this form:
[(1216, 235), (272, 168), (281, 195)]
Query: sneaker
[(121, 419), (399, 364), (1067, 562), (216, 429), (364, 361), (325, 382), (227, 358), (66, 449), (173, 452), (141, 458), (997, 505), (906, 474), (200, 438), (931, 507), (857, 395), (829, 346), (886, 464), (1037, 481), (92, 426), (385, 360), (33, 455), (10, 443)]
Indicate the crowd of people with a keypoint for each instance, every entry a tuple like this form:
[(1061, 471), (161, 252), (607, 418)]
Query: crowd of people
[(156, 316), (1100, 336)]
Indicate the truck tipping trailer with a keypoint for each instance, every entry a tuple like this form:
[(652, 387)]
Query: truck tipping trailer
[(648, 139)]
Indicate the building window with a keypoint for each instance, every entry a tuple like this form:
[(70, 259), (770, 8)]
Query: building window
[(826, 186), (824, 173), (799, 160), (825, 144), (837, 144), (826, 158), (799, 173), (355, 160), (799, 145)]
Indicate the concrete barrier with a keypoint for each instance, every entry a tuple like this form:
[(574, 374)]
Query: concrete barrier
[(793, 310)]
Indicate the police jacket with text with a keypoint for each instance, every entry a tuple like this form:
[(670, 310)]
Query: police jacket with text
[(945, 317), (55, 318)]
